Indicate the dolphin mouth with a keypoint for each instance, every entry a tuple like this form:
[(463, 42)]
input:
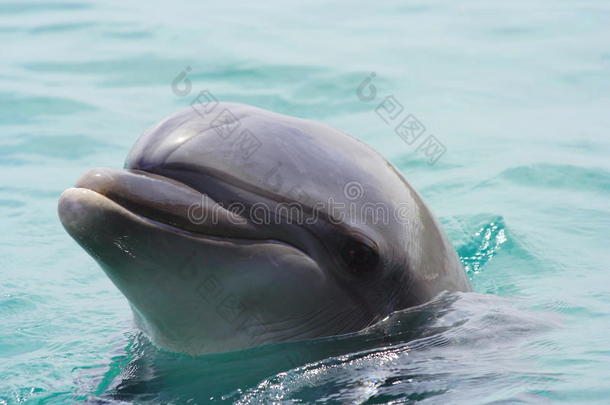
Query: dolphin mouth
[(165, 202)]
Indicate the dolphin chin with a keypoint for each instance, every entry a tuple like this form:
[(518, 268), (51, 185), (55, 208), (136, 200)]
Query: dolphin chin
[(202, 276)]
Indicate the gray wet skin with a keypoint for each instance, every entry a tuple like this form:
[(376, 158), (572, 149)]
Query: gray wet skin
[(201, 278)]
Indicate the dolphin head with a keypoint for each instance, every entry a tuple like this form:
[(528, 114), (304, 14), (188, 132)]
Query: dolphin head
[(231, 226)]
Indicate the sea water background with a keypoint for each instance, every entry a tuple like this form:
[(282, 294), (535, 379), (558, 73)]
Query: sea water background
[(518, 92)]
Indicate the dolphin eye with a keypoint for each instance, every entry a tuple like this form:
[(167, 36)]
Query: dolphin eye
[(359, 257)]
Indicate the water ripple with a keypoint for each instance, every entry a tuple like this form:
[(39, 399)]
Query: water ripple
[(555, 177)]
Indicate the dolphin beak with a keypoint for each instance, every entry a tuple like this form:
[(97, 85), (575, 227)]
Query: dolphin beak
[(151, 197)]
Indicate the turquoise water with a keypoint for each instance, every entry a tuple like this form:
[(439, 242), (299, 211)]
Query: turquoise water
[(518, 93)]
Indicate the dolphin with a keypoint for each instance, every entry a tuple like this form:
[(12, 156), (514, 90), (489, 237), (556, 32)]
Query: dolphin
[(231, 226)]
